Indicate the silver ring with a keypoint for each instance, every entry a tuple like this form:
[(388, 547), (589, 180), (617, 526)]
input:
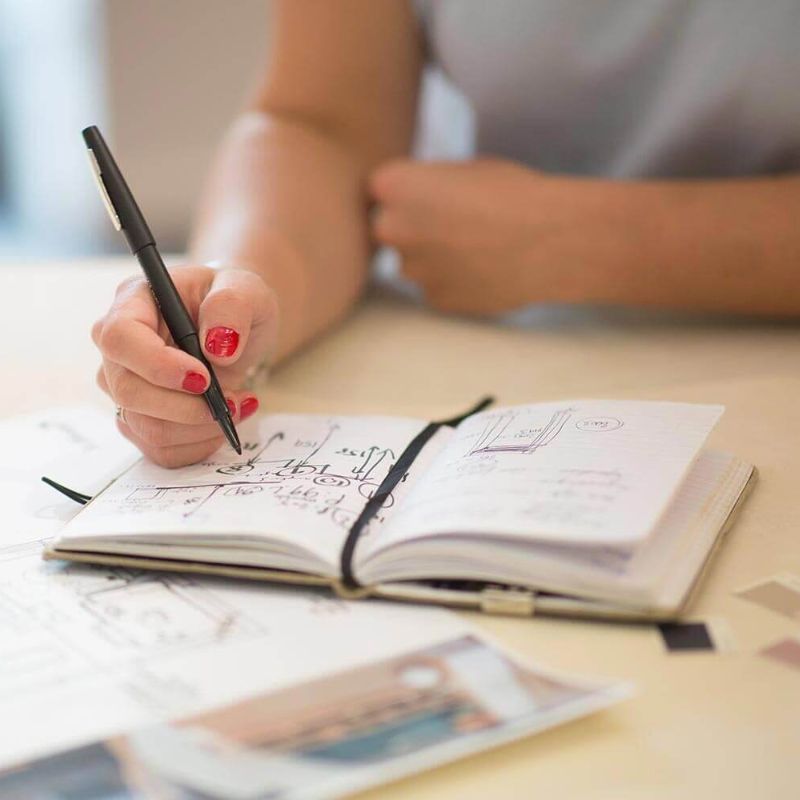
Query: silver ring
[(256, 376), (120, 412)]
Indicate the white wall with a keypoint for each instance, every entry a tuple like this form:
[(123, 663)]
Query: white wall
[(177, 72), (161, 77)]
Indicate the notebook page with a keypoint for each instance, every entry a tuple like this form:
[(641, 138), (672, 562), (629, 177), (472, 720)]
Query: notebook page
[(657, 574), (302, 479), (581, 471)]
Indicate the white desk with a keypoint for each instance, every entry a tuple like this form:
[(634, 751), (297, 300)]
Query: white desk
[(703, 724)]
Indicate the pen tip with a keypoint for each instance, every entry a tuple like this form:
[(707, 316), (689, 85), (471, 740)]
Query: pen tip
[(228, 428)]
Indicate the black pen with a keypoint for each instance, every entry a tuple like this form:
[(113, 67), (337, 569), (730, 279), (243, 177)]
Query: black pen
[(127, 217)]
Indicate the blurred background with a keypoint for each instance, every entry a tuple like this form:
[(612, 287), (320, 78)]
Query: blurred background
[(163, 81)]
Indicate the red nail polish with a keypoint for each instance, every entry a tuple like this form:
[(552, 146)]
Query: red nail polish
[(249, 406), (222, 341), (231, 406), (195, 382)]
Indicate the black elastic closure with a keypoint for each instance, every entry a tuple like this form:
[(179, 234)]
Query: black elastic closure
[(78, 497), (387, 486)]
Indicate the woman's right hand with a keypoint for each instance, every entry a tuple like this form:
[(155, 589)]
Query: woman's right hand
[(159, 387)]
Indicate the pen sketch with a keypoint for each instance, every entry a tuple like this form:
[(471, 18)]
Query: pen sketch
[(506, 433), (599, 424), (320, 469)]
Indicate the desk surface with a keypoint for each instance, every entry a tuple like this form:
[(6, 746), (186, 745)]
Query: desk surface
[(702, 724)]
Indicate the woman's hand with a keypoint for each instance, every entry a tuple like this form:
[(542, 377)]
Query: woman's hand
[(159, 387), (489, 235)]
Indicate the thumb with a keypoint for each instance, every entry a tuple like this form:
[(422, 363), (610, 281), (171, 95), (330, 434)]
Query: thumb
[(236, 301)]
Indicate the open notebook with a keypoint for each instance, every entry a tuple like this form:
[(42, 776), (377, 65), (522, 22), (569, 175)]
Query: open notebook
[(591, 507)]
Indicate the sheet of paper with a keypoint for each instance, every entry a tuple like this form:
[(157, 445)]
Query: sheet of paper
[(585, 471), (341, 733), (78, 447), (303, 478), (87, 652)]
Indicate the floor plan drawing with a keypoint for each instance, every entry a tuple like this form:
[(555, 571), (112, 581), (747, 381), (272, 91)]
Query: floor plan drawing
[(64, 622)]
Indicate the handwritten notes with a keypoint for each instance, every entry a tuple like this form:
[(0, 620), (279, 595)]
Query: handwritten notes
[(302, 480), (588, 471)]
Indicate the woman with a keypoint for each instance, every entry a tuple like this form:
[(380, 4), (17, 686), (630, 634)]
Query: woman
[(631, 152)]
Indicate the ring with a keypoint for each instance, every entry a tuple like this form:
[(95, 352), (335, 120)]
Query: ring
[(120, 412), (257, 375)]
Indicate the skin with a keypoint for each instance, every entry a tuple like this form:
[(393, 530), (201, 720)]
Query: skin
[(316, 172)]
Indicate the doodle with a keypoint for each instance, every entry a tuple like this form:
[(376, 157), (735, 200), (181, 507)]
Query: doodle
[(318, 446), (599, 424), (239, 469), (319, 469), (236, 469), (331, 480), (373, 458), (503, 433)]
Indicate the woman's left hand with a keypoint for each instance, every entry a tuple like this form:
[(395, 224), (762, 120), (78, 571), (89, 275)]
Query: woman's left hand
[(487, 236)]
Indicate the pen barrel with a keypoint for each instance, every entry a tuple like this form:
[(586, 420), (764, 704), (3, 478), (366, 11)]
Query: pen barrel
[(116, 193), (180, 324), (166, 295)]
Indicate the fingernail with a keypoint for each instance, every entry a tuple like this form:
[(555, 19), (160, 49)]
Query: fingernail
[(222, 341), (194, 382), (249, 406), (231, 406)]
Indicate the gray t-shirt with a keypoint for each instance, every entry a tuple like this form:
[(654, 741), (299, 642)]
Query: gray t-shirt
[(626, 88)]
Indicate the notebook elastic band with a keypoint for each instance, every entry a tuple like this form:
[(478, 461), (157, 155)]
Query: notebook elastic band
[(78, 497), (388, 485)]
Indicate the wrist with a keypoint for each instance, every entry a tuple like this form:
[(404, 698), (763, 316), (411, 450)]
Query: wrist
[(589, 233)]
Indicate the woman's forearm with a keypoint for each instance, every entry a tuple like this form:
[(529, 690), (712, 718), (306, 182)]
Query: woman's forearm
[(728, 245), (286, 200)]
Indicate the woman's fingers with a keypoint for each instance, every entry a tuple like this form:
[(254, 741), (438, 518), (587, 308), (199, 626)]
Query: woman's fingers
[(128, 335), (130, 391), (162, 433), (162, 416), (238, 311), (176, 455), (139, 349)]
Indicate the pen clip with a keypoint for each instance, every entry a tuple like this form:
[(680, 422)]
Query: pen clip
[(98, 176)]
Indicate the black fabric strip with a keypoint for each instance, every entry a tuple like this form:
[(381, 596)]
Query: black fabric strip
[(388, 484), (484, 402), (78, 497)]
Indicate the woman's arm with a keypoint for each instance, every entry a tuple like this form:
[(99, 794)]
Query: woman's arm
[(490, 235), (285, 210), (287, 197), (727, 245)]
